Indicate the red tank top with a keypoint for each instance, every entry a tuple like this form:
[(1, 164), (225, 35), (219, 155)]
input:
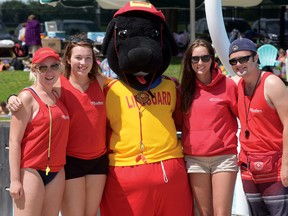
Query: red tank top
[(34, 146), (263, 121), (87, 136)]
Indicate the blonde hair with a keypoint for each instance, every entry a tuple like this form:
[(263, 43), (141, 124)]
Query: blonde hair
[(32, 76)]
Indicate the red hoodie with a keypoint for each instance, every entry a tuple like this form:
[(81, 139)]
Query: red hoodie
[(210, 127)]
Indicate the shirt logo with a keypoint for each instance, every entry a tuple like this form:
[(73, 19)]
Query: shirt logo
[(96, 103), (235, 48), (255, 110), (258, 165), (66, 117), (216, 99)]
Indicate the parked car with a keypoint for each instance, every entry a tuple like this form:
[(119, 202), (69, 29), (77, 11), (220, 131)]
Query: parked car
[(231, 24), (75, 26), (270, 29), (4, 34)]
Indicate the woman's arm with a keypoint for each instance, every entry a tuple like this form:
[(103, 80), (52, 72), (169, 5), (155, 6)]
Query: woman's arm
[(18, 125)]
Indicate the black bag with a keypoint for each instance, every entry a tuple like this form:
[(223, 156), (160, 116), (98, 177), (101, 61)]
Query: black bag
[(20, 50), (17, 64)]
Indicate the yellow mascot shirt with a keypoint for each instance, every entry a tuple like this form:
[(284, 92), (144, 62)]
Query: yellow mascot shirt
[(141, 134)]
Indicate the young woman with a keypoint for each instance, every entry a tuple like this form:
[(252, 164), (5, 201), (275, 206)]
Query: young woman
[(38, 140), (209, 129), (80, 89), (87, 163)]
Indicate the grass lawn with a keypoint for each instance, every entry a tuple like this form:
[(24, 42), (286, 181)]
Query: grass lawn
[(174, 68), (11, 82)]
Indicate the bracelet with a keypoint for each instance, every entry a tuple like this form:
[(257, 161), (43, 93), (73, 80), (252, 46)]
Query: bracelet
[(10, 96)]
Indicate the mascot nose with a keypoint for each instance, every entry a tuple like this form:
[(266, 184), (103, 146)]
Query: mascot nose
[(140, 56)]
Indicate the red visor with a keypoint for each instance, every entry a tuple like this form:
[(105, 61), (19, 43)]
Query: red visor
[(140, 6)]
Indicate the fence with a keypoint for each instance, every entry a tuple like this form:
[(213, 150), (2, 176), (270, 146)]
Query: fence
[(239, 203), (5, 199)]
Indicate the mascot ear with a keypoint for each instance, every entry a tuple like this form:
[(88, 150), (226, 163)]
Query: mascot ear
[(108, 36), (170, 38)]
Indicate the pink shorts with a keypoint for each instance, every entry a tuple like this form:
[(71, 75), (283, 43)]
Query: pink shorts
[(160, 188)]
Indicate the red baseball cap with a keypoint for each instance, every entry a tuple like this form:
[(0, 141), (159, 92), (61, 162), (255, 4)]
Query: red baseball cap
[(44, 53), (140, 6)]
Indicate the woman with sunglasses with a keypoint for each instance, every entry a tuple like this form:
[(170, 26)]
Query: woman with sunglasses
[(209, 105), (38, 140), (81, 90)]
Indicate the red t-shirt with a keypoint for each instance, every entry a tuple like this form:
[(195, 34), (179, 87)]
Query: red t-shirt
[(87, 136)]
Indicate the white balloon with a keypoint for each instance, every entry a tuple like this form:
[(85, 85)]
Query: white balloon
[(220, 41)]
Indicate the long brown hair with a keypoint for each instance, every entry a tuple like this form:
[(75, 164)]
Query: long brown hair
[(188, 80), (80, 40)]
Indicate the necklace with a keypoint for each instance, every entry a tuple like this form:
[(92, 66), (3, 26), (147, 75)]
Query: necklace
[(140, 156), (247, 132), (49, 141)]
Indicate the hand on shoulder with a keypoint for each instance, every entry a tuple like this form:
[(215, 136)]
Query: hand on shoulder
[(103, 80)]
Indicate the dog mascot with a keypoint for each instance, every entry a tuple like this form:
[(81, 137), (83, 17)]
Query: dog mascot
[(147, 174)]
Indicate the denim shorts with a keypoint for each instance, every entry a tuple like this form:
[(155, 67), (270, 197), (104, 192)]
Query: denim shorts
[(212, 164)]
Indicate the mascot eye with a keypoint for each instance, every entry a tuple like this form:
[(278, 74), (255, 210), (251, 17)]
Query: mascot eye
[(155, 33), (122, 33)]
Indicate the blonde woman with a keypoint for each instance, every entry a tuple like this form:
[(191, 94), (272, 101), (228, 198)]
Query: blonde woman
[(38, 140)]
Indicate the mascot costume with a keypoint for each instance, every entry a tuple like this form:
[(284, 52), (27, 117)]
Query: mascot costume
[(147, 174)]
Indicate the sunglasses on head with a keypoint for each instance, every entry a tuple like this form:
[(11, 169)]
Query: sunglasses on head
[(83, 40), (204, 58), (241, 60), (44, 68)]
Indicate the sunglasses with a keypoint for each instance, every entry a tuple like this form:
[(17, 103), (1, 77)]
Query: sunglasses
[(204, 58), (83, 40), (241, 60), (44, 68)]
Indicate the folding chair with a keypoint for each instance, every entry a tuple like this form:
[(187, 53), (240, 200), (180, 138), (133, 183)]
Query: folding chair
[(267, 55)]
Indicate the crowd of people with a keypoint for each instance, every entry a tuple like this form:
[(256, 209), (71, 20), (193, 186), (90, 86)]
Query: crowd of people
[(53, 169)]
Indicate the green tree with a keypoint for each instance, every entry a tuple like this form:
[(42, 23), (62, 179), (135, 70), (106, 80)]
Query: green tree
[(14, 12)]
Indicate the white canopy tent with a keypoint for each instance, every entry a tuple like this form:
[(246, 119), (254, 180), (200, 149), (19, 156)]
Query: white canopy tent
[(115, 4), (213, 9)]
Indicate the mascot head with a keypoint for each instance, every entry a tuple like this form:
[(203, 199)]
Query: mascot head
[(138, 44)]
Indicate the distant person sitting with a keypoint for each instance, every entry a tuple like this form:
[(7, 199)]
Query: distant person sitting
[(3, 108), (281, 56)]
